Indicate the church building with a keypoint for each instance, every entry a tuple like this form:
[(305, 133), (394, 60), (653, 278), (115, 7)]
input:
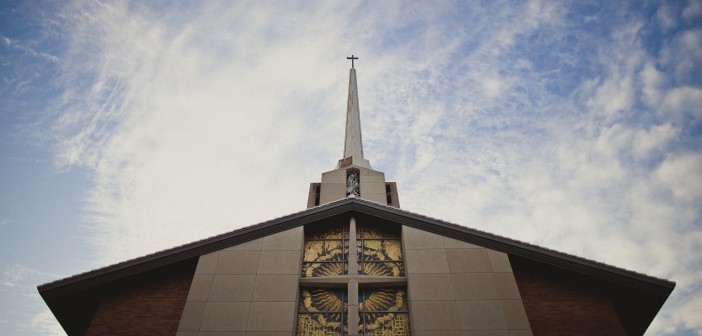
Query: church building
[(355, 263)]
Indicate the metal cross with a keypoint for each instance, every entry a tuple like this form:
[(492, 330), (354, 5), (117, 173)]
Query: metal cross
[(352, 58)]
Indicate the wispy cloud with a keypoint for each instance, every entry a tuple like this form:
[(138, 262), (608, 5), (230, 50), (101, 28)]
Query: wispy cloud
[(559, 124)]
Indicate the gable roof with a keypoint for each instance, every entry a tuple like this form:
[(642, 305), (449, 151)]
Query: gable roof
[(85, 288)]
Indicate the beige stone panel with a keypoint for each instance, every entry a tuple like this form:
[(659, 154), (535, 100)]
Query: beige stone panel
[(377, 198), (430, 287), (333, 188), (232, 287), (326, 198), (455, 243), (426, 261), (486, 333), (334, 176), (499, 261), (274, 287), (437, 333), (468, 260), (474, 286), (200, 287), (207, 263), (191, 319), (286, 240), (253, 245), (373, 178), (481, 315), (417, 239), (521, 333), (225, 316), (507, 286), (372, 188), (434, 315), (237, 262), (271, 316), (279, 262), (515, 314)]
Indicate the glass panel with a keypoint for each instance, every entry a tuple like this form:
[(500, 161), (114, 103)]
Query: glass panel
[(376, 232), (326, 251), (318, 269), (380, 252), (390, 268), (383, 312), (322, 311), (331, 231)]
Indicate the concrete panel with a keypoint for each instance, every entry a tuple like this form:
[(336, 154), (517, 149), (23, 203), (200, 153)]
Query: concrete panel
[(377, 198), (237, 262), (221, 333), (437, 333), (253, 245), (417, 239), (515, 314), (207, 263), (499, 261), (268, 333), (286, 240), (326, 198), (455, 243), (272, 287), (271, 316), (474, 286), (191, 319), (426, 261), (481, 315), (232, 287), (333, 188), (430, 287), (279, 262), (486, 333), (507, 286), (186, 333), (200, 287), (225, 316), (468, 260), (435, 315), (520, 333), (334, 176), (373, 178), (372, 188)]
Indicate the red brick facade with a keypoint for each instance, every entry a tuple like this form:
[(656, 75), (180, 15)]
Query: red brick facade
[(560, 302), (147, 307)]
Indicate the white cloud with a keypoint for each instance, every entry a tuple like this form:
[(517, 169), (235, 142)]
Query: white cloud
[(205, 119)]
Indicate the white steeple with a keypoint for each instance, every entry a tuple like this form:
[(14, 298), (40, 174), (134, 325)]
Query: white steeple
[(353, 145)]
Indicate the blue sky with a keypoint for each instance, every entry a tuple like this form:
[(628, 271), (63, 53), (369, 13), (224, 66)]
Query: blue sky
[(131, 127)]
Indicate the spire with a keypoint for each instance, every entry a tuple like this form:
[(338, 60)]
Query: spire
[(353, 145)]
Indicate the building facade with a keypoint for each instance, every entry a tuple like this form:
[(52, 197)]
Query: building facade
[(354, 263)]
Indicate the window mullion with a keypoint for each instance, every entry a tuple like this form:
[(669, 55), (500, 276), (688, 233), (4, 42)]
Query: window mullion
[(353, 284)]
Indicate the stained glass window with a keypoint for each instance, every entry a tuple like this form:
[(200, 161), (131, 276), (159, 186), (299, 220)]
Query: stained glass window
[(326, 251), (372, 248), (379, 251), (322, 312), (383, 312)]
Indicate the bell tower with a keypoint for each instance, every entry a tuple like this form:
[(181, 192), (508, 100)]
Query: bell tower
[(353, 175)]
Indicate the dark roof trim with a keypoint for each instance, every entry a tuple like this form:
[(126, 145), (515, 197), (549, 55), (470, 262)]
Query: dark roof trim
[(659, 287)]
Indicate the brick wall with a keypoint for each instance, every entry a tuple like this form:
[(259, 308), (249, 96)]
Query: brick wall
[(561, 302), (143, 307)]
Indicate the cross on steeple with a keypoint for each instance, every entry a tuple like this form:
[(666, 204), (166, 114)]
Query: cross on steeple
[(352, 58)]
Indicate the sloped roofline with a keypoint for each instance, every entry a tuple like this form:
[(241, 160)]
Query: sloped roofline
[(82, 288), (145, 263)]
